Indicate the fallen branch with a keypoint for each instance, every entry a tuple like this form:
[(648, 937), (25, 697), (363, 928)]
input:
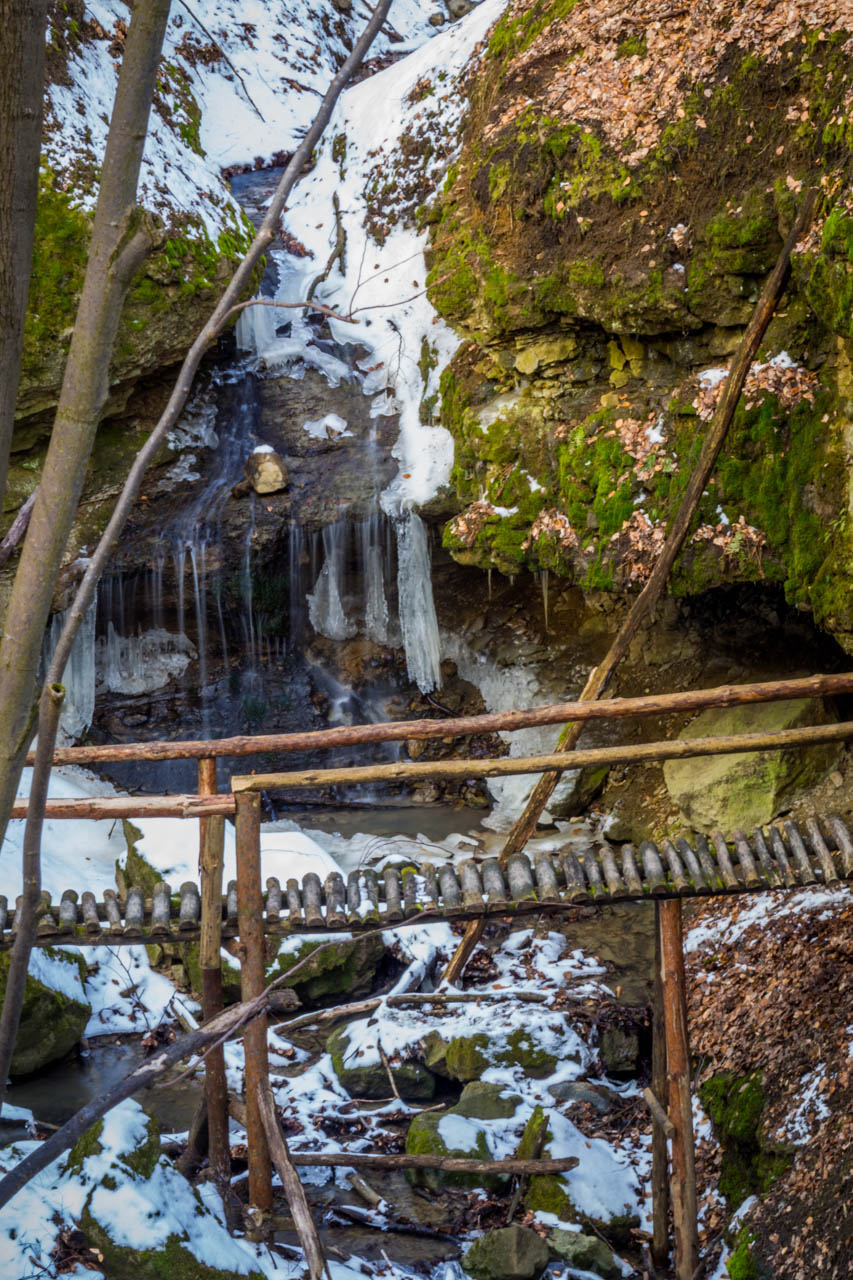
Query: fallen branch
[(338, 252), (446, 1164), (17, 528), (293, 1189), (224, 56)]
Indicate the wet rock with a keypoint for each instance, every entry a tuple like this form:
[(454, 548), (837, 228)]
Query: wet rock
[(595, 1095), (748, 789), (586, 1253), (52, 1021), (619, 1051), (266, 472), (364, 1078), (511, 1253)]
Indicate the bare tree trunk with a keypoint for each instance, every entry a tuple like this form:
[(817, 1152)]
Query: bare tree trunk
[(122, 235), (16, 981), (22, 28)]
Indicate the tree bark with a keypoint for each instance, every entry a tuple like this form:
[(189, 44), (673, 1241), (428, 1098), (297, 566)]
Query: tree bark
[(122, 235), (22, 33), (600, 676), (27, 917)]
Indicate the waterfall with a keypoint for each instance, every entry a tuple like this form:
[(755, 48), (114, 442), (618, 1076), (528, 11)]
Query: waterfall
[(373, 569), (79, 676), (417, 609)]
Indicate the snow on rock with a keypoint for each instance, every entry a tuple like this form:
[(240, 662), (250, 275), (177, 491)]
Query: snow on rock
[(362, 160)]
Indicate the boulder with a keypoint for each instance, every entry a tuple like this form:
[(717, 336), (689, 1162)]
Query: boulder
[(265, 470), (139, 1214), (55, 1012), (345, 969), (367, 1077), (586, 1253), (467, 1057), (458, 8), (460, 1131), (619, 1051), (596, 1095), (511, 1253), (748, 789)]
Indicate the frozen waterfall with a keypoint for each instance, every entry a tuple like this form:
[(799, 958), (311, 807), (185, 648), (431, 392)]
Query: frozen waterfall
[(79, 676), (416, 607)]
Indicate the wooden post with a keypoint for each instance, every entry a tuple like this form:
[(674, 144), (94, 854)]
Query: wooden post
[(660, 1184), (683, 1185), (252, 973), (211, 854)]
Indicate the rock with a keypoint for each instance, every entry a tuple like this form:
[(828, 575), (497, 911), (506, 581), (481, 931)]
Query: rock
[(437, 19), (587, 1253), (118, 1163), (546, 351), (265, 471), (455, 1132), (511, 1253), (345, 969), (596, 1095), (619, 1050), (458, 8), (52, 1021), (467, 1057), (364, 1078), (747, 789)]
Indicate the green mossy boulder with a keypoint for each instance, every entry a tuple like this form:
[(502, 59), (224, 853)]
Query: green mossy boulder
[(467, 1057), (51, 1022), (587, 1253), (455, 1132), (746, 790), (231, 991), (369, 1079), (749, 1163), (511, 1253), (346, 968)]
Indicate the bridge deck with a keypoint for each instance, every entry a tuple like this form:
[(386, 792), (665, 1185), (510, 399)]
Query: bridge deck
[(785, 855)]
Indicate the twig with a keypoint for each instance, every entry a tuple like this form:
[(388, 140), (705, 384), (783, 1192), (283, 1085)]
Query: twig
[(338, 253), (17, 528), (289, 306)]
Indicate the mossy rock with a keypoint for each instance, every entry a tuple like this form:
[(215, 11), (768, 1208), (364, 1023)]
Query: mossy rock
[(424, 1138), (51, 1023), (745, 790), (749, 1164), (482, 1100), (467, 1057), (414, 1082), (172, 1261), (510, 1253), (549, 1193), (346, 968), (586, 1253), (136, 870)]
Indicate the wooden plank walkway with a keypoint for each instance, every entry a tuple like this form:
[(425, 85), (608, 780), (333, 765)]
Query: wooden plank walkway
[(785, 855)]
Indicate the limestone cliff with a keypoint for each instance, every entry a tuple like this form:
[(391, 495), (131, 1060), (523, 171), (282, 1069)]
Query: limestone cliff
[(625, 181)]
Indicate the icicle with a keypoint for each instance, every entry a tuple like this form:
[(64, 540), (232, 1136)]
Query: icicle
[(543, 580), (256, 328), (375, 603), (79, 676), (325, 605), (417, 609)]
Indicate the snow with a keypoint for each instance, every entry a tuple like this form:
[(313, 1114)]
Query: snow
[(327, 428), (811, 1110), (712, 377), (764, 909)]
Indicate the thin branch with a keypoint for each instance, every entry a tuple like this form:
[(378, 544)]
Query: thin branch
[(224, 55), (289, 306), (17, 528)]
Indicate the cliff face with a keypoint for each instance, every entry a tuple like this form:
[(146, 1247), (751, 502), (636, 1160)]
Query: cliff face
[(624, 186)]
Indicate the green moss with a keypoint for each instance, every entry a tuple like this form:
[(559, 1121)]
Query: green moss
[(346, 968), (741, 1265), (634, 47), (87, 1145), (512, 35), (171, 1261), (136, 870), (468, 1057), (60, 248), (749, 1165), (52, 1023), (424, 1138)]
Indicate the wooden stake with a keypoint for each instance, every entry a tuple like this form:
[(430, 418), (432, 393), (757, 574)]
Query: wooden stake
[(660, 1172), (600, 676), (293, 1189), (250, 910), (683, 1184), (211, 856)]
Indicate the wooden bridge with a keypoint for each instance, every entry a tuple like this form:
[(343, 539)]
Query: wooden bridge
[(817, 852), (785, 856)]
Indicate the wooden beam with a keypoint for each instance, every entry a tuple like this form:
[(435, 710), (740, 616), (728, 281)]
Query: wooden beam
[(462, 726), (211, 857), (253, 982), (111, 807), (676, 749), (660, 1162), (683, 1183)]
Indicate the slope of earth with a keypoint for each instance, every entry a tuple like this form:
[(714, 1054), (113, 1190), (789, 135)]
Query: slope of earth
[(771, 1022), (626, 180)]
